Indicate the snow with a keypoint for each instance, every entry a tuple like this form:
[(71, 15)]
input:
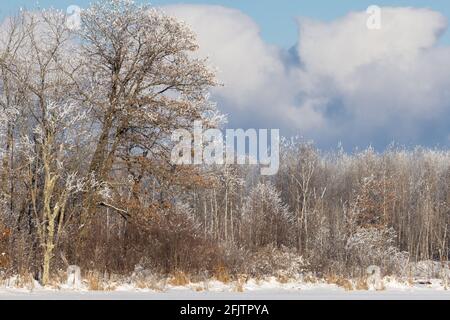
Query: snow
[(253, 290)]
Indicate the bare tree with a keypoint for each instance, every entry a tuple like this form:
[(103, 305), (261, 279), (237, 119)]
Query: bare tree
[(41, 49), (266, 220)]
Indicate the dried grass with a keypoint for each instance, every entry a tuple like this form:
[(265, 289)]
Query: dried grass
[(179, 279), (242, 279), (95, 281), (339, 281), (222, 274), (361, 284)]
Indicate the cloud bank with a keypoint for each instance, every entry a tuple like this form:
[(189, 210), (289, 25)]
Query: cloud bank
[(340, 83)]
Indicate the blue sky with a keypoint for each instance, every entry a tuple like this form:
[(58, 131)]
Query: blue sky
[(276, 18), (311, 68)]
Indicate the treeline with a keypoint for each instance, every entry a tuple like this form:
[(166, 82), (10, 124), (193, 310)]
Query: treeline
[(339, 212), (86, 117)]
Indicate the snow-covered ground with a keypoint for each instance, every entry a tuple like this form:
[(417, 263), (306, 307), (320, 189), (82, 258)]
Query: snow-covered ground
[(313, 294), (265, 290)]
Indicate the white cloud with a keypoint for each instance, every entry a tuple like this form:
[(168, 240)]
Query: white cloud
[(258, 89), (339, 48), (232, 42), (382, 84), (389, 81)]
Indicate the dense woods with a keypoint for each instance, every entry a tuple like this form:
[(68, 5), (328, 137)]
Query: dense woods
[(86, 117)]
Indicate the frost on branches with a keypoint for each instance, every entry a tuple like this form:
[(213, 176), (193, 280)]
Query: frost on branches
[(372, 246), (266, 220), (86, 118), (77, 106)]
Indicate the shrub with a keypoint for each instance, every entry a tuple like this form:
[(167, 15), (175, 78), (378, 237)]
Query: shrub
[(266, 220), (271, 261), (375, 246)]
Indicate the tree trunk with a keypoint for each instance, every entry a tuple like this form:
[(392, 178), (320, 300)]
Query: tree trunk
[(48, 252)]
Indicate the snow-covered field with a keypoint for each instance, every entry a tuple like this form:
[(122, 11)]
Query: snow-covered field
[(314, 294), (265, 290)]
